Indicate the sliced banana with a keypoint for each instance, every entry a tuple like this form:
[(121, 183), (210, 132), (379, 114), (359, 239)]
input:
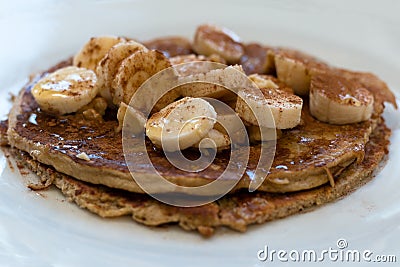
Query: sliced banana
[(213, 83), (337, 100), (372, 83), (230, 125), (181, 124), (134, 71), (95, 110), (269, 81), (203, 89), (98, 104), (257, 59), (262, 134), (181, 59), (94, 50), (193, 68), (65, 90), (284, 107), (194, 58), (229, 120), (109, 65), (296, 68), (135, 119), (210, 39), (170, 46), (264, 81), (215, 140)]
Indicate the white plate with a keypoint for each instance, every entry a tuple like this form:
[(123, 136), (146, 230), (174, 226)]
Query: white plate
[(45, 230)]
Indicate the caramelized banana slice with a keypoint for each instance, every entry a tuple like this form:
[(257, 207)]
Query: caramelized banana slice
[(337, 100), (170, 46), (184, 123), (285, 107), (134, 71), (296, 68), (109, 66), (210, 39), (65, 90), (257, 59), (94, 50)]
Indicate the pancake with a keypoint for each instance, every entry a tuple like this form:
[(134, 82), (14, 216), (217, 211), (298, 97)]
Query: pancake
[(314, 163), (235, 211), (306, 156)]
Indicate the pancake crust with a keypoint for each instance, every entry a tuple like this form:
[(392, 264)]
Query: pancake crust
[(235, 211)]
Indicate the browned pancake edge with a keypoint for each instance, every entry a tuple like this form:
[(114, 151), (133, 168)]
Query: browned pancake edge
[(235, 211)]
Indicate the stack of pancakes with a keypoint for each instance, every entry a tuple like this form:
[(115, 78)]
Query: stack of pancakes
[(315, 163)]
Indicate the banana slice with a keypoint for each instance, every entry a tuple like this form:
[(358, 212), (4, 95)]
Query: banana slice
[(264, 81), (170, 46), (257, 59), (337, 100), (190, 69), (296, 68), (269, 81), (213, 83), (134, 71), (181, 59), (285, 107), (194, 58), (65, 90), (210, 39), (268, 134), (94, 50), (134, 117), (234, 126), (203, 89), (109, 65), (230, 120), (98, 104), (221, 141), (372, 83), (95, 110), (181, 124)]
